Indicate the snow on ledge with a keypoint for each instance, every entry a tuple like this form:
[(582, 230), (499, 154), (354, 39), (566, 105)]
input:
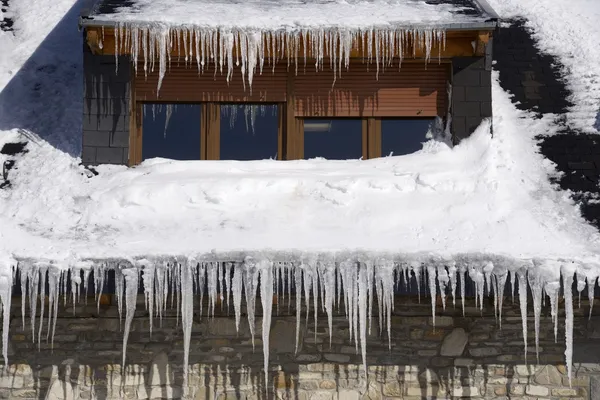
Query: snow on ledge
[(483, 209)]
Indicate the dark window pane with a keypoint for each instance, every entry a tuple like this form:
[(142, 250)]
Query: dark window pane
[(333, 139), (403, 136), (171, 131), (249, 131)]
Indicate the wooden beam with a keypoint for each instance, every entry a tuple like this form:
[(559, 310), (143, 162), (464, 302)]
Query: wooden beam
[(458, 44)]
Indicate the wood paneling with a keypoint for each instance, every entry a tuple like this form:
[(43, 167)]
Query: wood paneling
[(183, 84), (415, 90)]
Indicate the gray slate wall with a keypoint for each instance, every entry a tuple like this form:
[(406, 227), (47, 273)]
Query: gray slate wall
[(534, 80), (471, 94), (105, 109)]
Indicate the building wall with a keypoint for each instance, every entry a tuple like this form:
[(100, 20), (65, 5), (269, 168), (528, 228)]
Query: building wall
[(471, 94), (106, 109), (534, 79), (468, 356)]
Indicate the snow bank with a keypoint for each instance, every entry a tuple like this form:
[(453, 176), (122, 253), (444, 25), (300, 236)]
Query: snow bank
[(486, 196), (568, 30)]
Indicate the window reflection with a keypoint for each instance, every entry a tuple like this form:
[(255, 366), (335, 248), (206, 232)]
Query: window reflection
[(171, 131), (404, 136), (333, 139), (249, 131)]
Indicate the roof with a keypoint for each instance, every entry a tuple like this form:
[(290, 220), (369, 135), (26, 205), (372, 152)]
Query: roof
[(276, 15)]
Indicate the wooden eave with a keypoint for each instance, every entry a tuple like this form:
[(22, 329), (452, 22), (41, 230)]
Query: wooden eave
[(459, 43)]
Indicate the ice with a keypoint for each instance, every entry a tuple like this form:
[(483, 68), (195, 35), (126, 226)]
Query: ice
[(250, 47), (131, 280), (359, 283), (536, 284), (522, 279), (265, 269), (7, 268), (187, 316), (567, 276), (591, 282)]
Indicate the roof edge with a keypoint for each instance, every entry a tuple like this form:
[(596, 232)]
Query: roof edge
[(492, 24), (487, 8)]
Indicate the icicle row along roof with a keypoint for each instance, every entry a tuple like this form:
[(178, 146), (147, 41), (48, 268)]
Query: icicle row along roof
[(246, 33)]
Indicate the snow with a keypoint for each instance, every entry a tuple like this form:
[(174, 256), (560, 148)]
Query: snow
[(568, 30), (345, 230), (270, 15)]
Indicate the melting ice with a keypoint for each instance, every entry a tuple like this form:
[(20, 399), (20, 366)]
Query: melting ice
[(251, 49), (358, 284)]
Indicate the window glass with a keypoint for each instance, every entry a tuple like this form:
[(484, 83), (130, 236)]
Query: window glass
[(403, 136), (333, 139), (249, 131), (171, 131)]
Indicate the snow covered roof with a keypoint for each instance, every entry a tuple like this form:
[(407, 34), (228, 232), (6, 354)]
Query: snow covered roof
[(275, 15)]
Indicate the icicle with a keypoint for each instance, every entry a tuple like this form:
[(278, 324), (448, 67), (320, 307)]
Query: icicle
[(23, 276), (461, 275), (523, 306), (552, 290), (187, 318), (34, 288), (6, 282), (266, 297), (119, 288), (362, 312), (443, 280), (298, 282), (567, 273), (43, 271), (236, 287), (501, 282), (148, 279), (591, 282), (432, 288), (536, 284), (513, 277), (580, 287), (131, 286), (329, 285), (250, 286), (53, 299)]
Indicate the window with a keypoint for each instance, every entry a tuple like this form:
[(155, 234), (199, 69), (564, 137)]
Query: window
[(249, 131), (171, 131), (333, 139), (404, 136)]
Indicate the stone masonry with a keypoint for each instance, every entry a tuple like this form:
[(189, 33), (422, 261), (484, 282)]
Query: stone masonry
[(471, 98), (105, 109), (461, 357)]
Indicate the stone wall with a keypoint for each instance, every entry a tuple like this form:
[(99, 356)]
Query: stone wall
[(471, 97), (534, 80), (469, 356), (105, 109)]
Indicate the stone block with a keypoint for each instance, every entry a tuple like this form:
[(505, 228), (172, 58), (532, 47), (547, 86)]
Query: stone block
[(454, 343), (484, 351), (470, 391), (109, 155), (11, 381), (88, 155), (119, 138), (535, 390), (281, 332), (548, 375), (467, 109), (564, 392)]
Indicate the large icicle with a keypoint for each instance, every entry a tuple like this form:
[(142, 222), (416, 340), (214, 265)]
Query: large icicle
[(567, 274), (522, 276), (187, 317), (6, 282), (266, 298), (131, 279)]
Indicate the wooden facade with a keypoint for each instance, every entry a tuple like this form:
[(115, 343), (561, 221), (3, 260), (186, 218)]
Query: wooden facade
[(411, 89)]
